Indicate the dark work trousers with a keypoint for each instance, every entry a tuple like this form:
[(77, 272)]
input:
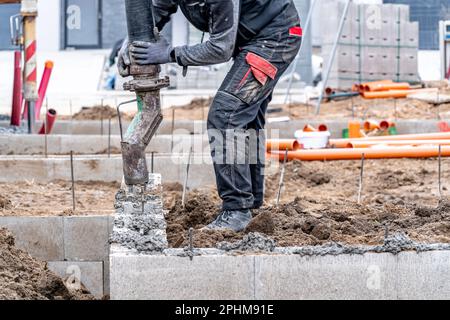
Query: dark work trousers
[(236, 119)]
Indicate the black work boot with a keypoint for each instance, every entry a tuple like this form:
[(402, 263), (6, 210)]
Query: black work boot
[(236, 220)]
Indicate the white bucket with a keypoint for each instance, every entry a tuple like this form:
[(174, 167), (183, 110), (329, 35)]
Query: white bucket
[(313, 140)]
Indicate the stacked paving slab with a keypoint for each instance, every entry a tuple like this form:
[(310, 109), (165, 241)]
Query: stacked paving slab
[(139, 224), (378, 42)]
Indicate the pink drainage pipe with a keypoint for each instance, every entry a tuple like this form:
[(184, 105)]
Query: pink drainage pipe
[(17, 90), (51, 118), (43, 87)]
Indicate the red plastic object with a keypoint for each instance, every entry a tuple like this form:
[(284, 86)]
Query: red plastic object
[(43, 87), (51, 118), (17, 90), (444, 127)]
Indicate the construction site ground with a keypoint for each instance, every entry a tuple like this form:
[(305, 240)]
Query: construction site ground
[(318, 204), (355, 107)]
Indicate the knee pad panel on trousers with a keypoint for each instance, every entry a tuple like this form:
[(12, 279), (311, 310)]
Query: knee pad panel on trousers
[(223, 107)]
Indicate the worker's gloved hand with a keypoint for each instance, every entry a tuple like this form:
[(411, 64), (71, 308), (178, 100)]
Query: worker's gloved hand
[(124, 61), (152, 53)]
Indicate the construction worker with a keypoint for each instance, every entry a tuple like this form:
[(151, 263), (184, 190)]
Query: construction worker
[(263, 37)]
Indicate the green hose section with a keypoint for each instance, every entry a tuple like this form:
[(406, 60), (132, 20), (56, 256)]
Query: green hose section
[(137, 117)]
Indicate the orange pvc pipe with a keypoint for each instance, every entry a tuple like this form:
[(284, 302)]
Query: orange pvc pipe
[(393, 94), (363, 86), (309, 128), (369, 144), (371, 125), (343, 143), (387, 86), (369, 153), (282, 145)]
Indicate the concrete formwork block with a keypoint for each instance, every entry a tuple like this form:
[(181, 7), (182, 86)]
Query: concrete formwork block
[(86, 238), (424, 275), (41, 237), (74, 273), (330, 277), (139, 277)]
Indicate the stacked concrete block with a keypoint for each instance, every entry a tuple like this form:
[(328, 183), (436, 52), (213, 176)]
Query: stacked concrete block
[(378, 42)]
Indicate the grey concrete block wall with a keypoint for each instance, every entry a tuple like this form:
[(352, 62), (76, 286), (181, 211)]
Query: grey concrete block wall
[(426, 275), (138, 277), (329, 277), (85, 238), (104, 169), (41, 238), (91, 144), (408, 275)]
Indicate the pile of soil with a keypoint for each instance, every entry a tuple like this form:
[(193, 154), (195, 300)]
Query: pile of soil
[(5, 203), (99, 113), (318, 205), (25, 278), (196, 110), (55, 198)]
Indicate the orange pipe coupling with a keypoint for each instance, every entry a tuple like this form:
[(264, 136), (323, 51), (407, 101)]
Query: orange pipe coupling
[(282, 145), (354, 129), (309, 128), (369, 153), (385, 124), (371, 125)]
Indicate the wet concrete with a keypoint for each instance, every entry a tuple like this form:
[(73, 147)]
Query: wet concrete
[(139, 223)]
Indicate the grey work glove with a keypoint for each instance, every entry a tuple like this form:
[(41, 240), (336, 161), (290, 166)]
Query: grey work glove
[(124, 61), (144, 53)]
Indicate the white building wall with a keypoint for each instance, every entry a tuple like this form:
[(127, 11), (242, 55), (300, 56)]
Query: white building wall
[(48, 25)]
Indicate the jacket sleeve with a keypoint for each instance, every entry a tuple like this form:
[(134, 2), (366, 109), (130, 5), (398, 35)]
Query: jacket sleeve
[(163, 9), (223, 25)]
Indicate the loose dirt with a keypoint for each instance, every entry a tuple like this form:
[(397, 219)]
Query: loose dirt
[(357, 107), (25, 278), (55, 198), (99, 113), (318, 206), (196, 110)]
